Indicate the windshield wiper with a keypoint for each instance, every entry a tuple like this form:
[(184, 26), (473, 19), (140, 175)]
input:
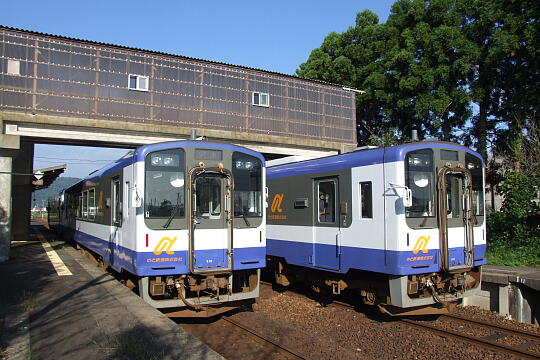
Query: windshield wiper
[(173, 212), (245, 219)]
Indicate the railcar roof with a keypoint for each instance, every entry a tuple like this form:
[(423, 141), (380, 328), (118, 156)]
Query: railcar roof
[(140, 153), (359, 157)]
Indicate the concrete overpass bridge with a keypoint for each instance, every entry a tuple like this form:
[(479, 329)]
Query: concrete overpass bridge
[(58, 90)]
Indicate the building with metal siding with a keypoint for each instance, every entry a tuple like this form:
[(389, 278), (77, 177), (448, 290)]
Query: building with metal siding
[(57, 76), (59, 90)]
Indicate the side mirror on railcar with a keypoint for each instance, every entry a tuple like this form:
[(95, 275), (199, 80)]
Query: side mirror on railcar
[(405, 193)]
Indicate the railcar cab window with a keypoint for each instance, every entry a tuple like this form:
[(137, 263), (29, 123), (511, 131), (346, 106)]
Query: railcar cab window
[(474, 165), (164, 185), (419, 177), (247, 174)]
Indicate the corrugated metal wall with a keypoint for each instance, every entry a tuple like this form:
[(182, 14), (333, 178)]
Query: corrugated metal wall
[(74, 78)]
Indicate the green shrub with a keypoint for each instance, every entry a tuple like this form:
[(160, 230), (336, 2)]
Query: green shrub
[(512, 239)]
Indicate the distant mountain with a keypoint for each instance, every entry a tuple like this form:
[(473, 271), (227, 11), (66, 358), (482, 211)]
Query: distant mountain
[(41, 196)]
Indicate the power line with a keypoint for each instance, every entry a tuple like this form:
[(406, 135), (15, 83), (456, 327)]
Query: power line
[(69, 162), (53, 158)]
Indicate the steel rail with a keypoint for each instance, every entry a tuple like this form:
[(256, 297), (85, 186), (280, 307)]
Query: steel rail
[(289, 353), (492, 345), (487, 325), (484, 342)]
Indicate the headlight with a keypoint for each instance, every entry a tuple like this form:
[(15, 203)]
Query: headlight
[(164, 160), (419, 160), (168, 161), (421, 180), (157, 160), (248, 165)]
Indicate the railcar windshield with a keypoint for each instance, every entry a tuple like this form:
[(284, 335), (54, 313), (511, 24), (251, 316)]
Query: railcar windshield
[(164, 184), (247, 174), (419, 175)]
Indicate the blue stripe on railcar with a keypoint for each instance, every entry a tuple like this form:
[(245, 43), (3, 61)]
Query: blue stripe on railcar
[(149, 264), (356, 159), (381, 261)]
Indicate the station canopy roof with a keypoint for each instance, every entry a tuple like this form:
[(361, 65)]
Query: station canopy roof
[(49, 175)]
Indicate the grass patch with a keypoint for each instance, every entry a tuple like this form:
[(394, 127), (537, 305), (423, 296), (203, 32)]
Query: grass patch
[(27, 301), (10, 303), (134, 348), (508, 254), (136, 343)]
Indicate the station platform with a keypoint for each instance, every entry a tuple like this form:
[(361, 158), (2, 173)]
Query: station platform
[(527, 276), (79, 311), (513, 292)]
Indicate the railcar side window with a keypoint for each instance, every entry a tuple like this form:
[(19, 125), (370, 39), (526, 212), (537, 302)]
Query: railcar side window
[(247, 174), (366, 202), (327, 201), (117, 204), (164, 184), (85, 204), (91, 204), (80, 207), (419, 177)]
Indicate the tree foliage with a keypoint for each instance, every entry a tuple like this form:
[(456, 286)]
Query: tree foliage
[(434, 61), (460, 70)]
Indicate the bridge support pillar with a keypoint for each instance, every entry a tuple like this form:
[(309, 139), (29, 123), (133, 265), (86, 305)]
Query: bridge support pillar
[(8, 148), (22, 191)]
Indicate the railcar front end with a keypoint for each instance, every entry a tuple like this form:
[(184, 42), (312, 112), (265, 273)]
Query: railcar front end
[(183, 221)]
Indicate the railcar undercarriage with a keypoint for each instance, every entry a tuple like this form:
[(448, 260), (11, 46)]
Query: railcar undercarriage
[(190, 295), (434, 292), (195, 286), (200, 295)]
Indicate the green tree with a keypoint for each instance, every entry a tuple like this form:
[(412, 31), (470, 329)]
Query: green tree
[(353, 59), (412, 68), (426, 66), (505, 77)]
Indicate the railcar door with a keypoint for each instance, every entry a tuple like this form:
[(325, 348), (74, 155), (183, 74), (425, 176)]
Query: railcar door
[(211, 221), (326, 230), (116, 222), (456, 218)]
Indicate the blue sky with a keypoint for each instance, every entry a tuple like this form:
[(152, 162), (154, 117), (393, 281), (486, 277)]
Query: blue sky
[(275, 35)]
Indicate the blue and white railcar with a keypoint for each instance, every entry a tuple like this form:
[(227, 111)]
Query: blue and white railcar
[(184, 221), (402, 227)]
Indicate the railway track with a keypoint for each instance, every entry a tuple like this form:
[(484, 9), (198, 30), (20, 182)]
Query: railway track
[(521, 340), (266, 349), (484, 335), (266, 342)]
